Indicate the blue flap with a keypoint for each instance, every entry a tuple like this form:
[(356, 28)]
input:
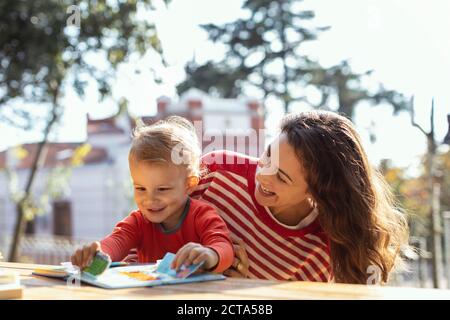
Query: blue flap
[(184, 272)]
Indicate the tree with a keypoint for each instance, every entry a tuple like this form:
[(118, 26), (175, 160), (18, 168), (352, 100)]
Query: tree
[(434, 179), (47, 46), (414, 194), (264, 52), (269, 39), (341, 83)]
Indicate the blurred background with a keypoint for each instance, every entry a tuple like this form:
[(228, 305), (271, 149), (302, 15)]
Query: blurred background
[(75, 76)]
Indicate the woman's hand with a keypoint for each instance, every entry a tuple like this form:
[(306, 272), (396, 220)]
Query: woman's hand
[(240, 265), (194, 253), (83, 257)]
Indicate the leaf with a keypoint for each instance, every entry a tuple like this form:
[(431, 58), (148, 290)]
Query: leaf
[(80, 153), (19, 152)]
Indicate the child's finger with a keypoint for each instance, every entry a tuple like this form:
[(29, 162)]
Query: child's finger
[(203, 256), (80, 258), (193, 254), (87, 255), (95, 246), (180, 257), (176, 258), (82, 254), (76, 258)]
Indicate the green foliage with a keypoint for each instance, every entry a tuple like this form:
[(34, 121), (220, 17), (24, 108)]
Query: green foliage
[(269, 39), (341, 82), (40, 45), (46, 45), (443, 162), (413, 192), (265, 52)]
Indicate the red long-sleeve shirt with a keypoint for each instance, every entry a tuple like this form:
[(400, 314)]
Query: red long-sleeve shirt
[(200, 224)]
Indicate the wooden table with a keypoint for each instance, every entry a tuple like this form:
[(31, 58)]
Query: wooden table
[(229, 289)]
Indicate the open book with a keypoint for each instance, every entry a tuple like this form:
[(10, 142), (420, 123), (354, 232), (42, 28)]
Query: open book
[(132, 276)]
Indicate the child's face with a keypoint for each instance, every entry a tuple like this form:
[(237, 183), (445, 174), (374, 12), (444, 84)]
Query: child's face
[(281, 185), (160, 190)]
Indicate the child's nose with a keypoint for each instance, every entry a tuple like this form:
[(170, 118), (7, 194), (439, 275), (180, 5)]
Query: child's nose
[(150, 198)]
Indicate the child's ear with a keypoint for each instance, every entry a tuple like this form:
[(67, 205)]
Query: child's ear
[(191, 183)]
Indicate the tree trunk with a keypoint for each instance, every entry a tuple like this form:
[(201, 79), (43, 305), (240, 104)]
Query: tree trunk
[(21, 221), (62, 218), (436, 229)]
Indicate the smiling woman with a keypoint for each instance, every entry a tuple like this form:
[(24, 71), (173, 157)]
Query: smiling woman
[(311, 208)]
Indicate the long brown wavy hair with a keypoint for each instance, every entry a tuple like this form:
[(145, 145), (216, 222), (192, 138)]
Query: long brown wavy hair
[(356, 208)]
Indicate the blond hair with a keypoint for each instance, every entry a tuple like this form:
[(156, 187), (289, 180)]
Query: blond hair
[(170, 140)]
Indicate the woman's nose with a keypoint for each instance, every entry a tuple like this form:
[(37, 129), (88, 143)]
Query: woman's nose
[(260, 163), (263, 162), (261, 177)]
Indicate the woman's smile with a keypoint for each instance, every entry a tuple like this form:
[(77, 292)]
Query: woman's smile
[(265, 192)]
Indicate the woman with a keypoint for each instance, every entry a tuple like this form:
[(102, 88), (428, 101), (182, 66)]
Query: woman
[(311, 208)]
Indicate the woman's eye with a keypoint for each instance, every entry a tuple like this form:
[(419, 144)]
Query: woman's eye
[(140, 189), (279, 178)]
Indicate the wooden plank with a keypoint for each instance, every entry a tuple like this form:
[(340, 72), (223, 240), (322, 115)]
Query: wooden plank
[(23, 266), (11, 291), (229, 289)]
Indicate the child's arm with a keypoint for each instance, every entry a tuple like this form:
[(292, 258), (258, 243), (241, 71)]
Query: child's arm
[(215, 246), (124, 237)]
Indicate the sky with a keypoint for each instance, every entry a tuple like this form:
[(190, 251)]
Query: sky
[(406, 43)]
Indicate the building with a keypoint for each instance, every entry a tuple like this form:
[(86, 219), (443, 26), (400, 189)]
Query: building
[(232, 124), (98, 193)]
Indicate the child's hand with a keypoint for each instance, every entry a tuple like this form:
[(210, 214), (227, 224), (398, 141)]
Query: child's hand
[(193, 253), (83, 257)]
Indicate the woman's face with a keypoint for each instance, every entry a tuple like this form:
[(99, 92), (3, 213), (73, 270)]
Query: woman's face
[(280, 181)]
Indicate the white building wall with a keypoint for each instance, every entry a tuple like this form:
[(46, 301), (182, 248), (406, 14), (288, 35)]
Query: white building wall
[(100, 194)]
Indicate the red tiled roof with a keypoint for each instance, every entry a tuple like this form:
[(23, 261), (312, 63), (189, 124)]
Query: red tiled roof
[(2, 159), (55, 154), (103, 126)]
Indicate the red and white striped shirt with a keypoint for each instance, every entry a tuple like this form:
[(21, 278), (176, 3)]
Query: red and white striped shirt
[(275, 251)]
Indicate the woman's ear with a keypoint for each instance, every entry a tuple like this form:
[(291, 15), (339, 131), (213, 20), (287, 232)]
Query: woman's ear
[(191, 183), (309, 197)]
